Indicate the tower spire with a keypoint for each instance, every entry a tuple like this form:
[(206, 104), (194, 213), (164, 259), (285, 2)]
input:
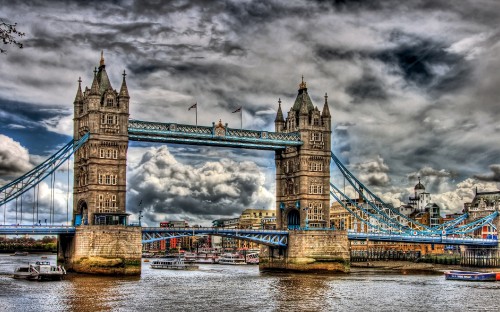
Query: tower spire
[(124, 89), (326, 110), (279, 114), (94, 89), (79, 94), (101, 63), (303, 84)]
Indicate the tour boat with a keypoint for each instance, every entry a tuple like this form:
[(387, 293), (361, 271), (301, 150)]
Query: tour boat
[(41, 270), (176, 263), (253, 258), (470, 276), (233, 259), (206, 258)]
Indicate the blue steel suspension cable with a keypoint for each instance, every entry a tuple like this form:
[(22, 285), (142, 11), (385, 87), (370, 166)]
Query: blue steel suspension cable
[(355, 214), (37, 174), (348, 175)]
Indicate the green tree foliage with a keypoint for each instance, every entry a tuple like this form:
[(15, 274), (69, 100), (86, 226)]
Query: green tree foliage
[(10, 35)]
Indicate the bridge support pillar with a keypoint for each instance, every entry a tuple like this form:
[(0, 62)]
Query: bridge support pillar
[(97, 249), (309, 251)]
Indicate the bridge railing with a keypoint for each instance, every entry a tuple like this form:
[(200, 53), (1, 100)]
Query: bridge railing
[(190, 134), (211, 230)]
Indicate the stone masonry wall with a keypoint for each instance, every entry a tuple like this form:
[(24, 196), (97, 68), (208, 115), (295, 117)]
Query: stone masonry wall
[(310, 251), (113, 250)]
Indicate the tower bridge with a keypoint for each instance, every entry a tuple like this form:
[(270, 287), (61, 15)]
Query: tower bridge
[(305, 239)]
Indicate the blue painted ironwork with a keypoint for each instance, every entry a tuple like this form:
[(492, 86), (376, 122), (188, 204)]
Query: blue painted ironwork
[(24, 183), (202, 135), (385, 211), (430, 239), (391, 220), (36, 230), (266, 237), (452, 223)]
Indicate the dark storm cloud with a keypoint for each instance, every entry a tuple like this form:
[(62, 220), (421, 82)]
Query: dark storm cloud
[(367, 88), (494, 176), (417, 59)]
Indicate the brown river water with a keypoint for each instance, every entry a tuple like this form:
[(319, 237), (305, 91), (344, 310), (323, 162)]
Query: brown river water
[(245, 289)]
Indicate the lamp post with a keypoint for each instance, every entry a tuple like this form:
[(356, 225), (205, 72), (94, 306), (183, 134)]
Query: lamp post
[(140, 217)]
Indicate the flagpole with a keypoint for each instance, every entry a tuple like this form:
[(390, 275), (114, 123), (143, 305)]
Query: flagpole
[(241, 118), (196, 113)]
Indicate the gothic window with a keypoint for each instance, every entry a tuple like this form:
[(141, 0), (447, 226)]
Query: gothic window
[(316, 121), (115, 154), (316, 136), (110, 119), (290, 186), (315, 189), (315, 212), (315, 166), (110, 103), (103, 119)]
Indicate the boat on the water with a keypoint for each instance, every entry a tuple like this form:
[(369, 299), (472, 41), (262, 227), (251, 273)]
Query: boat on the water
[(252, 258), (176, 263), (20, 253), (40, 270), (232, 259), (470, 276)]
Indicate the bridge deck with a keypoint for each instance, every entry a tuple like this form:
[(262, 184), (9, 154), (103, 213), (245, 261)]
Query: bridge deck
[(266, 237)]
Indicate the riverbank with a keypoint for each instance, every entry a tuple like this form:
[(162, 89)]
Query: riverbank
[(407, 267)]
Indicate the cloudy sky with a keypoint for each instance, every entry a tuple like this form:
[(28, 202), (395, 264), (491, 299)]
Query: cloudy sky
[(413, 90)]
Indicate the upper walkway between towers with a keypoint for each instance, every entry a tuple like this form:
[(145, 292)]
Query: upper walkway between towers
[(216, 135)]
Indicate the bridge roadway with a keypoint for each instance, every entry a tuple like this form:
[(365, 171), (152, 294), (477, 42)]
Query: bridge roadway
[(275, 238)]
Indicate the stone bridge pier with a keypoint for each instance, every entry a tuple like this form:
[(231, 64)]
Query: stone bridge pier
[(309, 251)]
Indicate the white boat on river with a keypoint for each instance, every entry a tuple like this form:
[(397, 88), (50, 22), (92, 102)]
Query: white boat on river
[(232, 259), (41, 270), (173, 264)]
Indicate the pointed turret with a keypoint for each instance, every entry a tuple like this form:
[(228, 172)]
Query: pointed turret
[(326, 110), (79, 94), (302, 96), (279, 121), (94, 89), (124, 89), (279, 115), (102, 76), (304, 111)]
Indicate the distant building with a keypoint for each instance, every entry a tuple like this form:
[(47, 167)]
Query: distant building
[(483, 204), (419, 208)]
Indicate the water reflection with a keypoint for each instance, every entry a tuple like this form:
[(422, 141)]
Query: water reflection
[(95, 293), (243, 288), (294, 291)]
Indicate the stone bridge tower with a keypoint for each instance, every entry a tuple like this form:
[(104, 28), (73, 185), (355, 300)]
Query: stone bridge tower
[(102, 243), (100, 164), (303, 173)]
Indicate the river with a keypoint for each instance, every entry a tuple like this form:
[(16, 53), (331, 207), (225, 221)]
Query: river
[(243, 288)]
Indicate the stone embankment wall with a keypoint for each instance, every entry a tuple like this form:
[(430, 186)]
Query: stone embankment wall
[(309, 251), (97, 249)]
